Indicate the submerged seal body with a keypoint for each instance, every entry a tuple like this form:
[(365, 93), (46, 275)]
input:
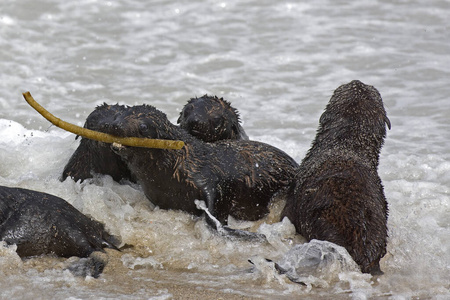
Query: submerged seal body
[(211, 119), (96, 157), (236, 178), (40, 223), (337, 194)]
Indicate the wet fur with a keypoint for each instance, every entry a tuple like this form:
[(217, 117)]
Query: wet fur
[(235, 178), (337, 194), (211, 119), (92, 157), (40, 223)]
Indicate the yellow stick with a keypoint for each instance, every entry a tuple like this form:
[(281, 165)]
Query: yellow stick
[(101, 136)]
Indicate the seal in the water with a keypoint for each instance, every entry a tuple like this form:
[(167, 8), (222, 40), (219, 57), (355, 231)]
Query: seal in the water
[(337, 194), (211, 119), (208, 118), (233, 177), (40, 223), (96, 157)]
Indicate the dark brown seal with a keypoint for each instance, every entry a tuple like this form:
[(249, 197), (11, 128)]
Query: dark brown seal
[(211, 119), (233, 177), (40, 223), (208, 118), (337, 195), (95, 157)]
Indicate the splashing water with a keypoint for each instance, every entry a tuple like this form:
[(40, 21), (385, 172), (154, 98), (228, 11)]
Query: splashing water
[(278, 63)]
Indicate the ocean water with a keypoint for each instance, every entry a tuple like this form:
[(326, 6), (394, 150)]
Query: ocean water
[(278, 63)]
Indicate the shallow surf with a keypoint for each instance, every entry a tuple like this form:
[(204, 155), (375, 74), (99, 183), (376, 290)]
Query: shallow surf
[(278, 63)]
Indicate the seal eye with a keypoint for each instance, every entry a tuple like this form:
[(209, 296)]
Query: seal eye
[(148, 131)]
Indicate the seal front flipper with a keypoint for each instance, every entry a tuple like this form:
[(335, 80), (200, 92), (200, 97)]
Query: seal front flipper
[(217, 210), (245, 235), (227, 231), (76, 166), (93, 157)]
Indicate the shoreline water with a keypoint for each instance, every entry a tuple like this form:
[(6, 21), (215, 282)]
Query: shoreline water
[(278, 64)]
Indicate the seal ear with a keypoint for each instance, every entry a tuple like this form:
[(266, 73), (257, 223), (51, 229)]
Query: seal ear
[(387, 121), (234, 130), (324, 118)]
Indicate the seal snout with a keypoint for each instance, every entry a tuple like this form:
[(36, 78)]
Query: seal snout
[(116, 128), (196, 125), (110, 127), (199, 127)]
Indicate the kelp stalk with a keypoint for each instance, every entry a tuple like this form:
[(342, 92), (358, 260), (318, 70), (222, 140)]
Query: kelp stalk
[(101, 136)]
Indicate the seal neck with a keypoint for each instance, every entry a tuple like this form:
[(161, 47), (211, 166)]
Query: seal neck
[(358, 141)]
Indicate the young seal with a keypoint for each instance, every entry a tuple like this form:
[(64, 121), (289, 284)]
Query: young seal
[(40, 223), (211, 119), (337, 194), (233, 177), (208, 118)]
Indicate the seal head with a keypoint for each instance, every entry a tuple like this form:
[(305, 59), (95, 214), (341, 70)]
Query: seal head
[(211, 119)]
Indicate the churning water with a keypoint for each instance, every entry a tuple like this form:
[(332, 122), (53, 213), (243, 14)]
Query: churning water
[(277, 62)]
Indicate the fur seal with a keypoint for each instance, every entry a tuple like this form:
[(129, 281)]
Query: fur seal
[(40, 223), (211, 119), (208, 118), (337, 194), (233, 177)]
